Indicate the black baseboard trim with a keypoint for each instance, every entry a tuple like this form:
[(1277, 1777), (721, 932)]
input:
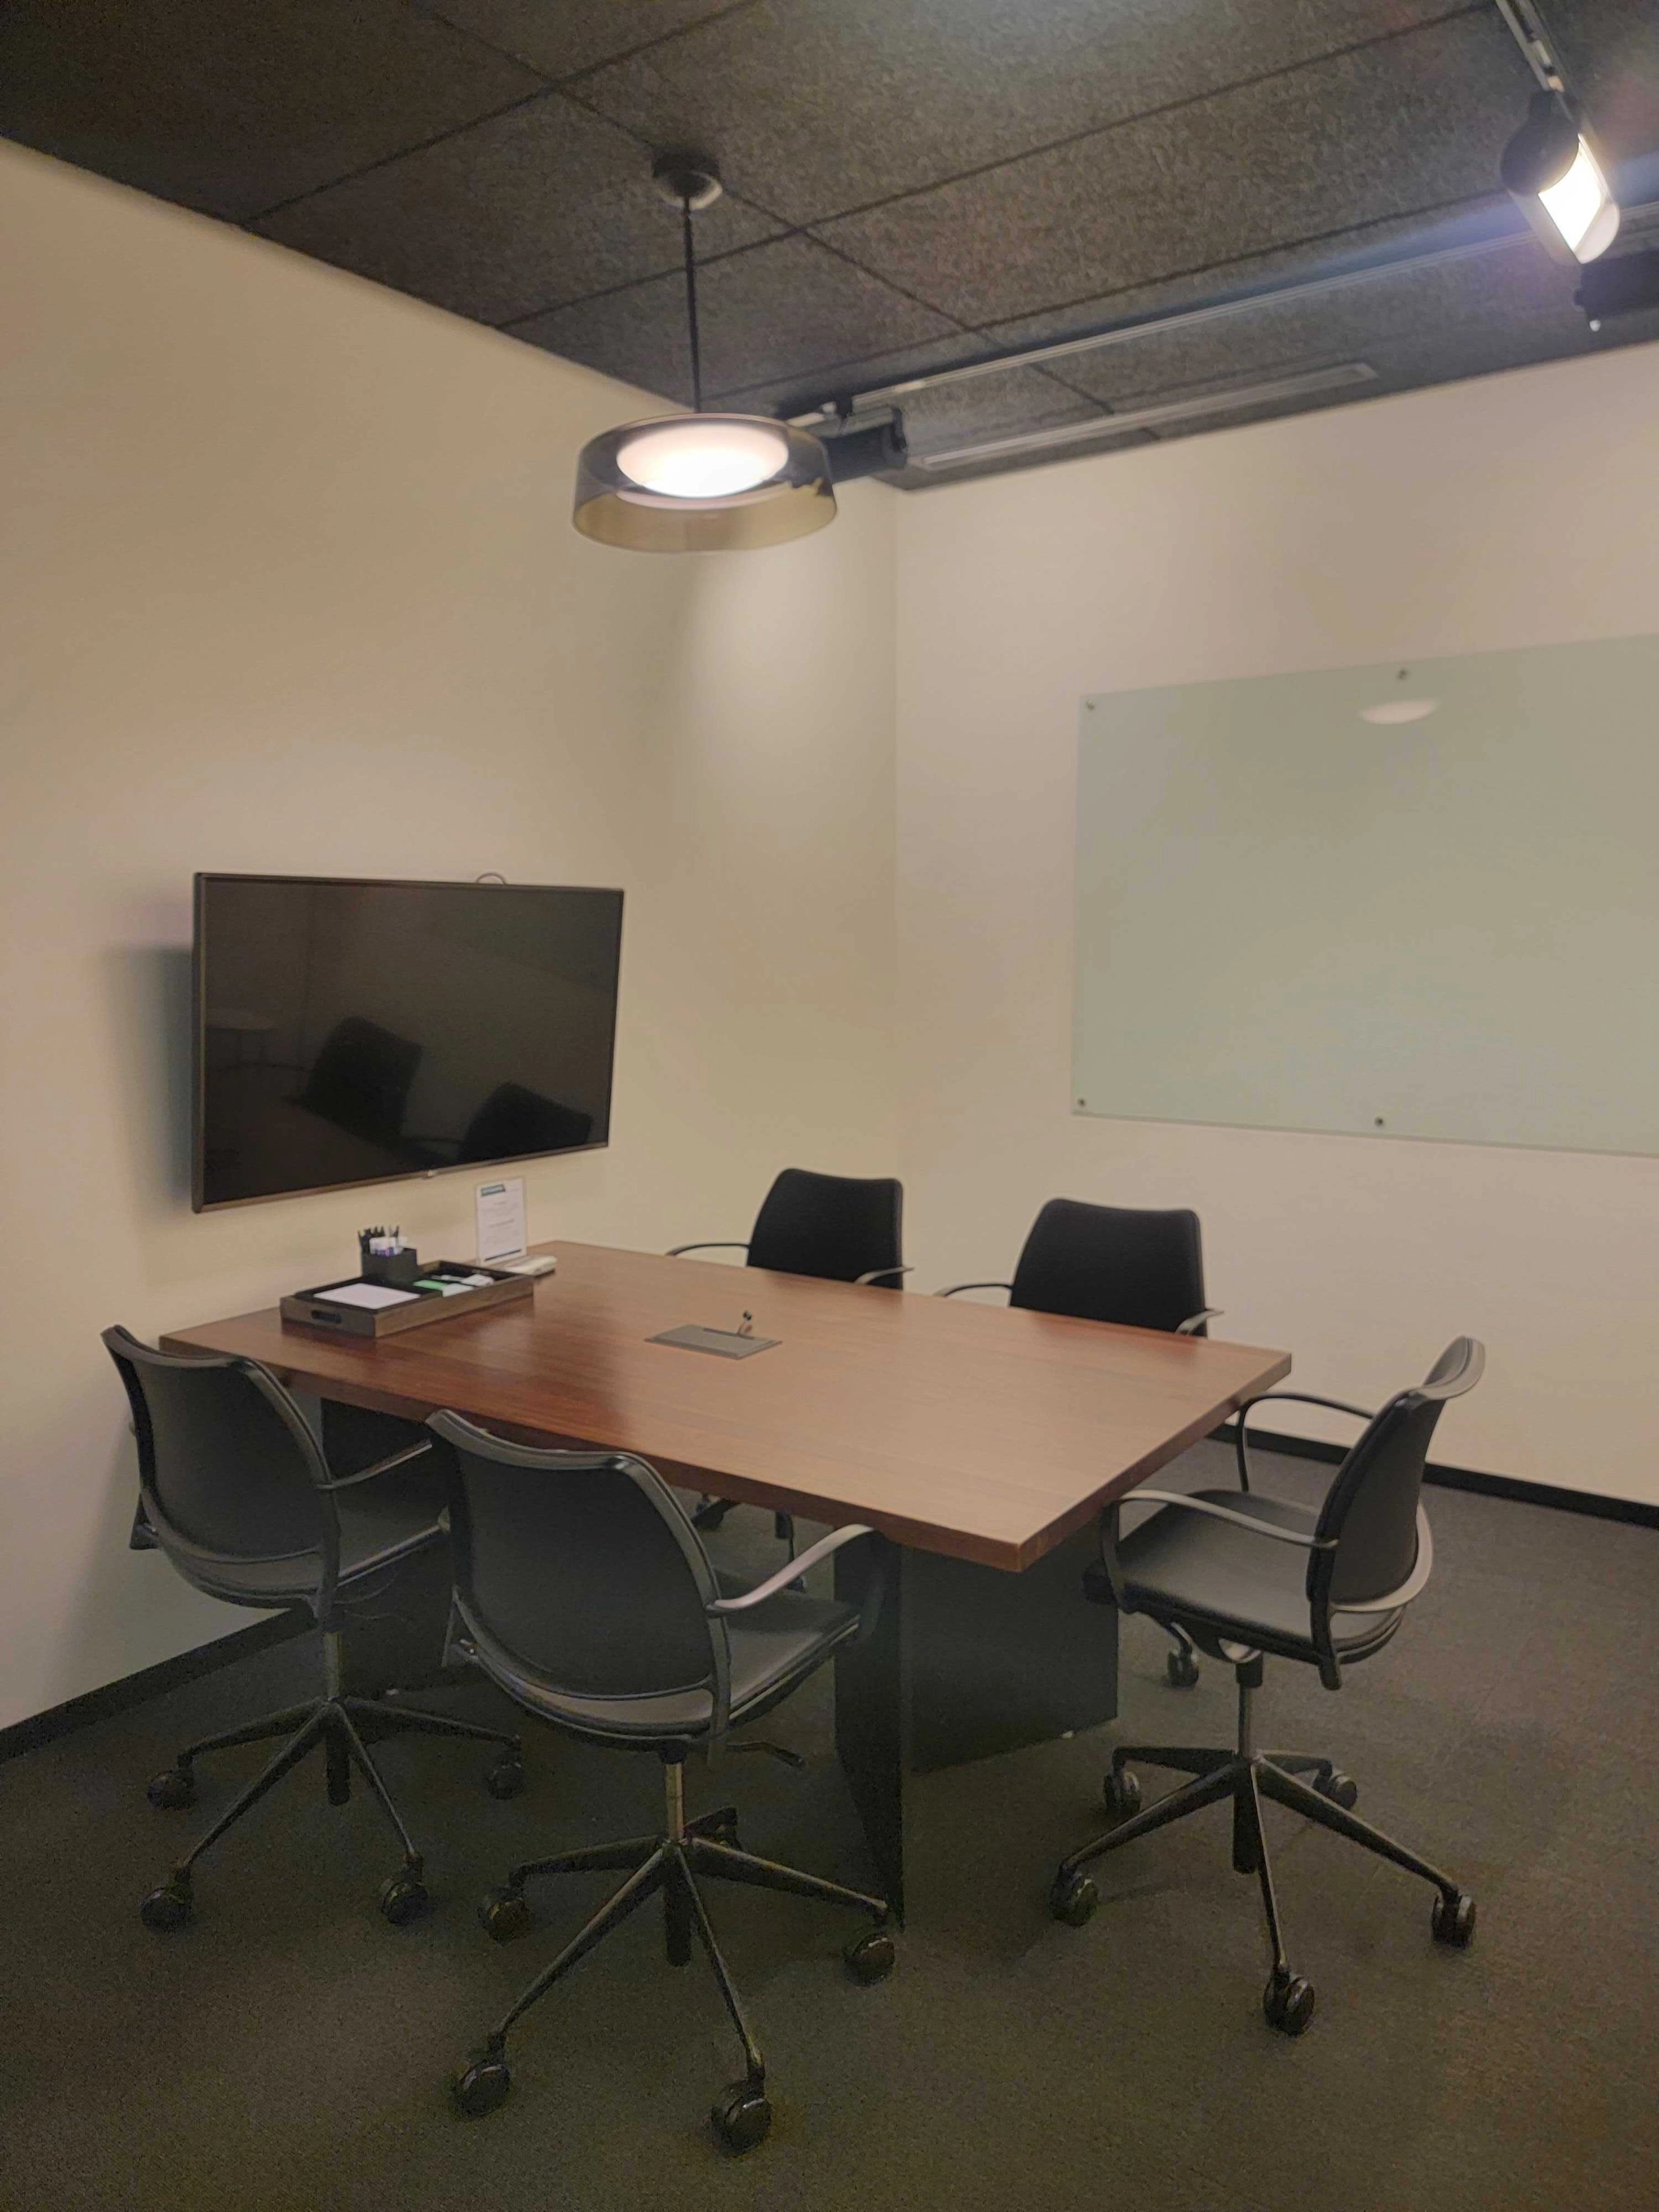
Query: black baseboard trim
[(150, 1682), (1468, 1477)]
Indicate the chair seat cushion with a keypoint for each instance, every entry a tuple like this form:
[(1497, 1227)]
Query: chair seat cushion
[(773, 1648), (380, 1524), (1212, 1576)]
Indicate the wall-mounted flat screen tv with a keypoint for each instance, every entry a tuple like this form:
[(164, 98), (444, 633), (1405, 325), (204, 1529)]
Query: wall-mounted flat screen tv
[(351, 1031)]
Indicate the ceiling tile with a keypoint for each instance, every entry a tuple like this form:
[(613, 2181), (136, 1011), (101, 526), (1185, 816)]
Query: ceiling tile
[(815, 106), (232, 109), (777, 310), (546, 204), (794, 395), (559, 37), (1417, 123)]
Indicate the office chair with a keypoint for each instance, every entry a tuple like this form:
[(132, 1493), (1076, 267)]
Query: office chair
[(842, 1229), (512, 1123), (1132, 1265), (236, 1492), (1224, 1565), (583, 1590)]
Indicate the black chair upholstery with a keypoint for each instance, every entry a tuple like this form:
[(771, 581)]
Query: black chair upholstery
[(1247, 1575), (234, 1487), (1132, 1265), (582, 1588), (842, 1229), (1138, 1266)]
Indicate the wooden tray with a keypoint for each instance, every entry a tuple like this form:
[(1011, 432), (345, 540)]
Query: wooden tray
[(310, 1310)]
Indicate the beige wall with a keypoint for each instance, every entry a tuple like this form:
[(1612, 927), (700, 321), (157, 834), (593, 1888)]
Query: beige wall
[(1514, 510), (287, 583)]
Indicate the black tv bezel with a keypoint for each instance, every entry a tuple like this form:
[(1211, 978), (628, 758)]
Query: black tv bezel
[(201, 1204)]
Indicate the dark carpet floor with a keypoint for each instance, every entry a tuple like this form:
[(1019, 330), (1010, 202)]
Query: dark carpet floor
[(289, 2050)]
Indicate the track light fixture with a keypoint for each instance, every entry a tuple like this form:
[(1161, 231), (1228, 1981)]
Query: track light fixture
[(1549, 167), (701, 482), (1556, 180)]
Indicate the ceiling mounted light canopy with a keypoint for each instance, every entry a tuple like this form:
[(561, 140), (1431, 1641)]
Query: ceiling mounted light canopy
[(701, 482)]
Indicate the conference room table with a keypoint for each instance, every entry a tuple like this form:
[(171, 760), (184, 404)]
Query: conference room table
[(980, 1441)]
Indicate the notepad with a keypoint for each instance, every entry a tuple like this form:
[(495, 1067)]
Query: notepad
[(366, 1294)]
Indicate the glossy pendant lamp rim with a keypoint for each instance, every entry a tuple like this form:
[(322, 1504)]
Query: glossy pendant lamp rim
[(614, 510)]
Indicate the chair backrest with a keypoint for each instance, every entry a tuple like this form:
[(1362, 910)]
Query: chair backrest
[(514, 1121), (228, 1468), (1127, 1264), (580, 1570), (360, 1079), (1370, 1509), (838, 1227)]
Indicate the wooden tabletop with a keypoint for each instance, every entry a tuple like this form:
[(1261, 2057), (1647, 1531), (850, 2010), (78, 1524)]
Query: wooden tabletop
[(975, 1431)]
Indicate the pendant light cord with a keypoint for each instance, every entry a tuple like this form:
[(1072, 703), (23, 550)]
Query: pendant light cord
[(691, 306)]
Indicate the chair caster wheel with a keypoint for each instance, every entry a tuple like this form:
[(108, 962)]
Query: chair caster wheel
[(481, 2087), (740, 2117), (167, 1907), (504, 1914), (505, 1778), (1287, 2003), (1182, 1669), (172, 1791), (1073, 1899), (1341, 1789), (403, 1898), (1121, 1791), (870, 1957), (1453, 1920)]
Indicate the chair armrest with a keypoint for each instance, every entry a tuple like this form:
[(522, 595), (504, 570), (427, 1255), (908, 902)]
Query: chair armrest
[(1301, 1398), (955, 1288), (1194, 1322), (678, 1251), (380, 1466), (791, 1571), (881, 1274), (1225, 1513)]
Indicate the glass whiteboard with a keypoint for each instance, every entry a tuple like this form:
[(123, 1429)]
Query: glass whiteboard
[(1416, 900)]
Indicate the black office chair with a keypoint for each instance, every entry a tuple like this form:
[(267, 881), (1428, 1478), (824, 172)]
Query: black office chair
[(236, 1492), (1223, 1565), (841, 1229), (583, 1590), (1140, 1267)]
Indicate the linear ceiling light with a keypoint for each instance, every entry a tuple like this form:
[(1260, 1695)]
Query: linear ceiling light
[(697, 483), (1549, 167), (1223, 402)]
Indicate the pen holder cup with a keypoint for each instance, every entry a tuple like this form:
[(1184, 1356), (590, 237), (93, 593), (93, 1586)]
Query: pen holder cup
[(397, 1270)]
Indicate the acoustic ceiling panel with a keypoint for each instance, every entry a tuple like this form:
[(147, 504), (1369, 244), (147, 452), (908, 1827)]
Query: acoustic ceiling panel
[(1410, 126), (820, 108), (560, 37), (232, 109), (543, 205), (775, 311)]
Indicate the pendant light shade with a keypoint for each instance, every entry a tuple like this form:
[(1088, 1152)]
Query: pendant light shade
[(701, 482)]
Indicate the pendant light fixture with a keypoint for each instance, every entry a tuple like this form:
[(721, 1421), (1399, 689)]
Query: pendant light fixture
[(701, 482)]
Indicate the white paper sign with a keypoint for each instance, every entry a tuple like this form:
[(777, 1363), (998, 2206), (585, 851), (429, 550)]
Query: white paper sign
[(502, 1221)]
